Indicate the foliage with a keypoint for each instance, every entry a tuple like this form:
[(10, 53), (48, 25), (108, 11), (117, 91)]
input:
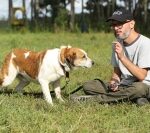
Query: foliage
[(29, 113), (61, 21), (98, 11)]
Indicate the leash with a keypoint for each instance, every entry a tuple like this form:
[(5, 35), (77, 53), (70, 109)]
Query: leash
[(77, 89), (67, 79)]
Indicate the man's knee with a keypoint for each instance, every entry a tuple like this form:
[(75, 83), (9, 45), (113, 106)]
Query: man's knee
[(141, 89), (93, 87)]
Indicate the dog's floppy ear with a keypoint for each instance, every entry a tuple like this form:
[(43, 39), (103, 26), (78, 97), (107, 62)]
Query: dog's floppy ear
[(61, 47), (63, 56)]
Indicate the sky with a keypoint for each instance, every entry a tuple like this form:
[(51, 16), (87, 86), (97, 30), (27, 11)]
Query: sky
[(18, 3), (3, 8)]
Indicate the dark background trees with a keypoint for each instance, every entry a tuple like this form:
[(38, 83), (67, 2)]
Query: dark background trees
[(52, 15)]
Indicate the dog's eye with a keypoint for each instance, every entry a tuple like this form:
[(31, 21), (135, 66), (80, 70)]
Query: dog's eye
[(83, 56)]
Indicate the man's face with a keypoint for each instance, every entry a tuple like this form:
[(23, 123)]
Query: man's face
[(122, 30)]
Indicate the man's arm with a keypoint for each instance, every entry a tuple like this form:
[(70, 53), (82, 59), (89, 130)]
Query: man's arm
[(139, 73), (115, 79), (116, 75)]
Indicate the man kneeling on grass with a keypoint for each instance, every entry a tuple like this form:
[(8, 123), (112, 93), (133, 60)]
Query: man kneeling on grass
[(131, 61)]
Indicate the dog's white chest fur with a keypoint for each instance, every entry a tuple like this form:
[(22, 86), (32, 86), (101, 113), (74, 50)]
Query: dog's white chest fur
[(51, 69)]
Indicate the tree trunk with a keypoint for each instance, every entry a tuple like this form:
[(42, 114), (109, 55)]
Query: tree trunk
[(113, 5), (145, 11), (108, 9), (98, 11), (35, 8), (32, 9), (24, 11), (72, 16), (10, 11), (130, 5), (126, 4)]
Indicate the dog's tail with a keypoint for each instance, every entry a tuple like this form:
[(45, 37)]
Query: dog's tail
[(4, 70)]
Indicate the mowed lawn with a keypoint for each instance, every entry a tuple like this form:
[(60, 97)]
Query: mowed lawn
[(29, 113)]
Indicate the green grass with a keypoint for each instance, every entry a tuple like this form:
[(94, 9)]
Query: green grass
[(31, 114)]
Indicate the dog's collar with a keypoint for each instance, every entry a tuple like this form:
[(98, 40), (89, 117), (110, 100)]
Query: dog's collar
[(65, 67), (68, 64), (65, 72)]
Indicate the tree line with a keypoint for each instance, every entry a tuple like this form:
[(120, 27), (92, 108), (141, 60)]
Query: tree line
[(53, 15)]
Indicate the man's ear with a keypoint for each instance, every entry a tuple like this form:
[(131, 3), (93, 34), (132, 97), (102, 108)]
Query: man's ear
[(132, 24)]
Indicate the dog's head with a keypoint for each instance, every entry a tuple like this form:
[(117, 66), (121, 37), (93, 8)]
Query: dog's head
[(74, 57)]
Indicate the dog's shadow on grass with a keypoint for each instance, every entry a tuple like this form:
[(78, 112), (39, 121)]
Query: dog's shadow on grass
[(32, 94), (9, 92)]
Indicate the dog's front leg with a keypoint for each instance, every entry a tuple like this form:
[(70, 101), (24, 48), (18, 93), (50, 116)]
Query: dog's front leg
[(57, 89), (46, 92)]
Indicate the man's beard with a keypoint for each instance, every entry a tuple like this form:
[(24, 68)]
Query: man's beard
[(124, 36)]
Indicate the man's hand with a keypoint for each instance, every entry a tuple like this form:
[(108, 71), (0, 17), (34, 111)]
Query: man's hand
[(118, 49), (113, 85)]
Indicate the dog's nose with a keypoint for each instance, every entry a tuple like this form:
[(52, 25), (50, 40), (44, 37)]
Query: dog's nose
[(92, 62)]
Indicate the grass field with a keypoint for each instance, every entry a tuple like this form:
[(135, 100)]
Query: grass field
[(31, 114)]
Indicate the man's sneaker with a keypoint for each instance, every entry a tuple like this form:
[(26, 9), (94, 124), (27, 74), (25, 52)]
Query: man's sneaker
[(84, 98), (142, 101)]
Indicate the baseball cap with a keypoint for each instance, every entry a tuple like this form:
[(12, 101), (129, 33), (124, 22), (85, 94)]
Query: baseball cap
[(121, 15)]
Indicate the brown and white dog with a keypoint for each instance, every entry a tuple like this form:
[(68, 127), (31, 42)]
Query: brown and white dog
[(43, 67)]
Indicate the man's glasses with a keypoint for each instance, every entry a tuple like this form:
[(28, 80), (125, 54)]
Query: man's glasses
[(118, 25)]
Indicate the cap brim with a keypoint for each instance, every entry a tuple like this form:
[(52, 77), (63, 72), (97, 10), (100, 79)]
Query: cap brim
[(116, 19)]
